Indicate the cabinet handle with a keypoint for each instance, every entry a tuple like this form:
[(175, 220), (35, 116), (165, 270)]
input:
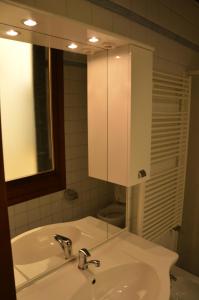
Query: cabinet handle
[(141, 173)]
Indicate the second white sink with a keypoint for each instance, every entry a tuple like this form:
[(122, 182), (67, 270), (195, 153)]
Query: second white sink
[(133, 281)]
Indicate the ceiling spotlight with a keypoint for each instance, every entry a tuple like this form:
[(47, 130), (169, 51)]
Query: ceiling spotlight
[(29, 22), (72, 46), (12, 32), (93, 39)]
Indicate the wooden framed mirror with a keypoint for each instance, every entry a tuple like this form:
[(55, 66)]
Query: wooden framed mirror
[(40, 158)]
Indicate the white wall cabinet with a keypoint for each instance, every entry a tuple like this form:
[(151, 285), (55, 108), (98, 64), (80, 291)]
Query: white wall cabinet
[(120, 114)]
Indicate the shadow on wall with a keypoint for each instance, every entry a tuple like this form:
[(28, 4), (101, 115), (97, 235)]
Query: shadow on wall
[(189, 235)]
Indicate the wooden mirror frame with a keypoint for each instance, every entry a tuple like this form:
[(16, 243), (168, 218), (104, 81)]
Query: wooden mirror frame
[(23, 189), (7, 282)]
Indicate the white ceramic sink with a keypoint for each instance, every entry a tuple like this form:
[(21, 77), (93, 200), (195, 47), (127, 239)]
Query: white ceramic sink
[(130, 281), (39, 244), (131, 269)]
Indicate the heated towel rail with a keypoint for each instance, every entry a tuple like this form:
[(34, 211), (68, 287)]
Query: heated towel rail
[(161, 203)]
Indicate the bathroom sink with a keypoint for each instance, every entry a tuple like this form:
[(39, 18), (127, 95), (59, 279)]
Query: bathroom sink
[(39, 244), (131, 269), (130, 281)]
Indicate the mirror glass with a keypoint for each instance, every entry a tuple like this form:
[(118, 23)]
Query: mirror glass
[(25, 109), (89, 211)]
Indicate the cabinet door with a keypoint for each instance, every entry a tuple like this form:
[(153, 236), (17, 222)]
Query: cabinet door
[(129, 114), (141, 115), (97, 115), (119, 112)]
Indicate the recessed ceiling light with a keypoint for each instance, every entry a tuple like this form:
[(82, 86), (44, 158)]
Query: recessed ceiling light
[(12, 32), (72, 46), (93, 39), (29, 22)]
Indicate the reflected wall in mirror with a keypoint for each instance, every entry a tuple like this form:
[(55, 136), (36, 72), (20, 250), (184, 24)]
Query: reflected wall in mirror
[(25, 109), (93, 194)]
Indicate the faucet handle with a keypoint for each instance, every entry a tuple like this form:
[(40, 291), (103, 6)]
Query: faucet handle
[(83, 263), (84, 252), (62, 238), (65, 243)]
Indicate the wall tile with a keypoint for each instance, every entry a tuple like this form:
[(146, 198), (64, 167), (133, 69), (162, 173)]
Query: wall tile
[(125, 3), (138, 33), (80, 10), (102, 18), (139, 7), (121, 25), (20, 208), (21, 219), (56, 7)]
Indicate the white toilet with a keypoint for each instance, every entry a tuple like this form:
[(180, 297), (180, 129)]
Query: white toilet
[(115, 212)]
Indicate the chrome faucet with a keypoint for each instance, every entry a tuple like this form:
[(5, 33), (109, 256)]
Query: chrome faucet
[(83, 263), (65, 243)]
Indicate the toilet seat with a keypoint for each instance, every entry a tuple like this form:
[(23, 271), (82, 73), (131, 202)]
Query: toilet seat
[(113, 214)]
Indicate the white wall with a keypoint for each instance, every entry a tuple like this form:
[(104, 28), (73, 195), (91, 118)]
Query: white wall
[(17, 109)]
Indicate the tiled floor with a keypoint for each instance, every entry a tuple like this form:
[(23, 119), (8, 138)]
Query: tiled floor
[(186, 287)]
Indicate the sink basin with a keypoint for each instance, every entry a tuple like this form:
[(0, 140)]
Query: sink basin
[(131, 268), (39, 244), (133, 281)]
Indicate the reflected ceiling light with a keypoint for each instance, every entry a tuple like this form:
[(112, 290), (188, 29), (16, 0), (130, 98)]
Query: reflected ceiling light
[(12, 32), (29, 22), (93, 39), (72, 46), (118, 57)]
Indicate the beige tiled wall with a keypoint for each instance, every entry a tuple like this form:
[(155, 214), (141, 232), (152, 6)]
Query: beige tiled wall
[(179, 16), (93, 194)]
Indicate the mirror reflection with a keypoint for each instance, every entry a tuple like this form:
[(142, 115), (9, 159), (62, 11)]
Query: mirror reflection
[(90, 210), (25, 109)]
